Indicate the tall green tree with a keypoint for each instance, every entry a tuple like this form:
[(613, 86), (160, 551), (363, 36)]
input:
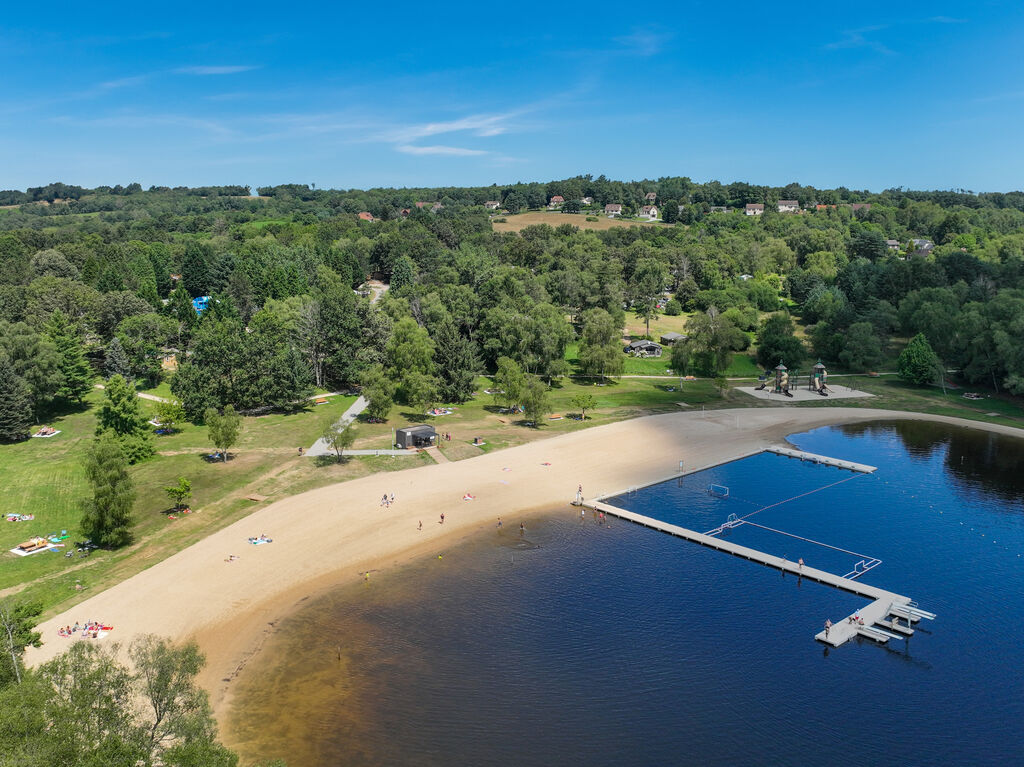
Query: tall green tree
[(456, 361), (535, 400), (76, 374), (713, 338), (776, 342), (600, 348), (195, 268), (116, 362), (15, 403), (410, 355), (223, 428), (917, 363), (17, 633), (645, 288), (107, 516), (510, 382), (379, 391), (121, 414), (35, 360)]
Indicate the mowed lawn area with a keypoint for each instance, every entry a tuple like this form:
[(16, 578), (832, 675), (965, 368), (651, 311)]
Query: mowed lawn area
[(520, 221)]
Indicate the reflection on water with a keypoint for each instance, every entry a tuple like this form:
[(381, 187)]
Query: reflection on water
[(614, 644), (979, 461)]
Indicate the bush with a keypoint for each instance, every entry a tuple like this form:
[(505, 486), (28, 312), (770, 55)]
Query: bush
[(673, 308), (500, 220), (591, 218)]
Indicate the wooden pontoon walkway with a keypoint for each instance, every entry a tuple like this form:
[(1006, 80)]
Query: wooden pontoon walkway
[(789, 452), (883, 605)]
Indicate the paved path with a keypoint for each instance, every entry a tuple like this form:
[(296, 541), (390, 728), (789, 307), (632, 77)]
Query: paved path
[(320, 447), (141, 395), (435, 453)]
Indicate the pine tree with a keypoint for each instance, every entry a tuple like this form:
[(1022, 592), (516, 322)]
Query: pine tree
[(15, 403), (107, 516), (195, 269), (457, 363), (76, 373), (120, 414), (117, 360)]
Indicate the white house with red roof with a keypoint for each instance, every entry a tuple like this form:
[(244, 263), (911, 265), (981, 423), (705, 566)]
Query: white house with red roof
[(650, 212), (557, 201), (613, 209), (754, 209)]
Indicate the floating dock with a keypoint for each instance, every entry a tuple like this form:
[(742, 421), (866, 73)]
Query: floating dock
[(886, 607), (789, 452)]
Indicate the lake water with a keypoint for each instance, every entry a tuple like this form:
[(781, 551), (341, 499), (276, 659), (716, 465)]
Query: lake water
[(614, 644)]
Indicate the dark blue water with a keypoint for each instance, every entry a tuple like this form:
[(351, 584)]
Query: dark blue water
[(615, 644)]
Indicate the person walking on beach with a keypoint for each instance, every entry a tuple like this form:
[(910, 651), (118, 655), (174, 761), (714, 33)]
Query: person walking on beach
[(442, 519), (499, 521), (392, 499), (421, 525)]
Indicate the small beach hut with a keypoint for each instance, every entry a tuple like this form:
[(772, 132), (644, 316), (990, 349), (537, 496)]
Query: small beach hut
[(416, 436)]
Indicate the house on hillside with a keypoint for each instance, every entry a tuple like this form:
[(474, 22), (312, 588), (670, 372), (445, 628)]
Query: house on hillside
[(824, 207), (557, 201), (754, 209), (416, 436), (613, 209), (587, 201), (650, 212), (436, 207), (788, 206), (712, 209), (404, 212), (364, 216), (923, 247), (651, 196), (492, 205), (643, 349), (892, 244), (855, 206), (667, 339)]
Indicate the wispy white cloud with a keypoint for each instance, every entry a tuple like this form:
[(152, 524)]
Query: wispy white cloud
[(478, 125), (451, 151), (946, 20), (858, 38), (216, 70), (644, 41)]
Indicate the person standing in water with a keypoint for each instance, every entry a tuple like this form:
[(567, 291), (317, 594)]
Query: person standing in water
[(522, 528)]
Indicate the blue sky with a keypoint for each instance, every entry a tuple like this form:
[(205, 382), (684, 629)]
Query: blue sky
[(865, 95)]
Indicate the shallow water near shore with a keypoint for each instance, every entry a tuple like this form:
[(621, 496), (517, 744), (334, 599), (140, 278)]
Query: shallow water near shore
[(583, 643)]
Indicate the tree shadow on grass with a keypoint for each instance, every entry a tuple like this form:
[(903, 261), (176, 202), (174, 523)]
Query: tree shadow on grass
[(323, 461)]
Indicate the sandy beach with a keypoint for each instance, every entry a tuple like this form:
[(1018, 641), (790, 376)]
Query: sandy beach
[(328, 536)]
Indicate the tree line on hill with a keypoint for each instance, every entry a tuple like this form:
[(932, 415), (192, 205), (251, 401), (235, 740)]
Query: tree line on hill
[(112, 294)]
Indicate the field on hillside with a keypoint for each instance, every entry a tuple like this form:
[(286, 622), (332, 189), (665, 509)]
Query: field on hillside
[(522, 220)]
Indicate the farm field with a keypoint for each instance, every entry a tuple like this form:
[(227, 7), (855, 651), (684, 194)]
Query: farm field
[(551, 218)]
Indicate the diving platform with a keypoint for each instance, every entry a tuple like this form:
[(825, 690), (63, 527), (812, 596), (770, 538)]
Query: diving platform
[(885, 607), (789, 452)]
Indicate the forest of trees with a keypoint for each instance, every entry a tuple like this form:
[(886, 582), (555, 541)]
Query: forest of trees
[(98, 283)]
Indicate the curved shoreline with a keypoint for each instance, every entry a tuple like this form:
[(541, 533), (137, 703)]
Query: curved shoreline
[(331, 535)]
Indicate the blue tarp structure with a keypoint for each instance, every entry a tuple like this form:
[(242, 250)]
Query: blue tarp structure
[(200, 304)]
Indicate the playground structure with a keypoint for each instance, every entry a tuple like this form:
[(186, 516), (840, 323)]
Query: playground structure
[(781, 383), (818, 380)]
